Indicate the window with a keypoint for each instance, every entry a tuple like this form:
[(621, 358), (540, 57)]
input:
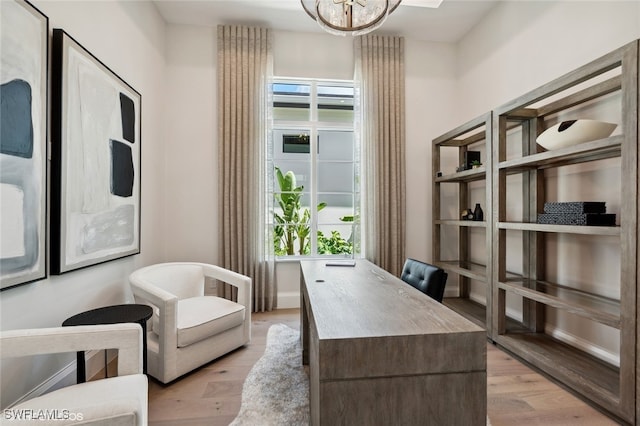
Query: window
[(314, 156)]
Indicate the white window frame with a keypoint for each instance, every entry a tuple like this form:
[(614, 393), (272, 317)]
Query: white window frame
[(313, 126)]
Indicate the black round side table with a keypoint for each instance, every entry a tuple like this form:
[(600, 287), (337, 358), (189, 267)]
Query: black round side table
[(115, 314)]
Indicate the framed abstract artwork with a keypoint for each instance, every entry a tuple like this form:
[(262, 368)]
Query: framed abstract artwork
[(24, 33), (95, 188)]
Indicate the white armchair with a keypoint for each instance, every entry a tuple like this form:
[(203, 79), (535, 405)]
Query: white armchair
[(120, 400), (188, 328)]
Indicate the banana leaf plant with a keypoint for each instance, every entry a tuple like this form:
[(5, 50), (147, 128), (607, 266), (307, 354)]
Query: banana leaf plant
[(293, 222)]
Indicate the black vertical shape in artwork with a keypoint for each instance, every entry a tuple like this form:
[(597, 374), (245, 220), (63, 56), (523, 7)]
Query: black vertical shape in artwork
[(128, 113), (16, 129), (122, 173)]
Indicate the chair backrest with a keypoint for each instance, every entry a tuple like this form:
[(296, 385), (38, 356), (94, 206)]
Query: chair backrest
[(427, 278), (183, 280)]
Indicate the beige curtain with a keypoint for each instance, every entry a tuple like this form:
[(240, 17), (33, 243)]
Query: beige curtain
[(380, 71), (244, 69)]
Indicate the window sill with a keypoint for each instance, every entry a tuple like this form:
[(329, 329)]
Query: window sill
[(290, 259)]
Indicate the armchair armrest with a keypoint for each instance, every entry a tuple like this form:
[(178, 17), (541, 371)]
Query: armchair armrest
[(167, 303), (241, 282), (149, 292), (126, 337)]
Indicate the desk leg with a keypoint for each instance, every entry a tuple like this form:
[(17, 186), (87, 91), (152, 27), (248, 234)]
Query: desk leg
[(143, 324), (144, 347), (81, 371)]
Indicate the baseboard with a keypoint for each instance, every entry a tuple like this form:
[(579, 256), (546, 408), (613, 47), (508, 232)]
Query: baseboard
[(567, 338), (94, 364), (64, 377), (583, 345), (288, 299)]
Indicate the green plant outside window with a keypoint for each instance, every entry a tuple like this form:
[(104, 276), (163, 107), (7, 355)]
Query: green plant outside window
[(292, 229)]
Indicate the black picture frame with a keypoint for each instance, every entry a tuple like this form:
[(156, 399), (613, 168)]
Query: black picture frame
[(24, 35), (96, 160)]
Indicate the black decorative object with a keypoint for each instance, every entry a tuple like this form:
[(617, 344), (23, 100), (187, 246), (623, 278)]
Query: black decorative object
[(478, 214)]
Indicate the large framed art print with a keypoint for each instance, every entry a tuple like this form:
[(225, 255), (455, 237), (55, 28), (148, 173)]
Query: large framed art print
[(24, 33), (95, 186)]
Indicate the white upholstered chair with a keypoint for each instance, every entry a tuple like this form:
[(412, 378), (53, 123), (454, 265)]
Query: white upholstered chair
[(188, 328), (119, 400)]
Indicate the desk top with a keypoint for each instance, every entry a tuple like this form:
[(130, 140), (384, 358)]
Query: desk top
[(365, 322), (366, 301)]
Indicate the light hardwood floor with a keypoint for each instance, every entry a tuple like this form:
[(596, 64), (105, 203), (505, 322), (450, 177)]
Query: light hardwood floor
[(211, 395)]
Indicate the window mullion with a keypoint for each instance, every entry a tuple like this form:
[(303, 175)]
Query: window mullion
[(314, 169)]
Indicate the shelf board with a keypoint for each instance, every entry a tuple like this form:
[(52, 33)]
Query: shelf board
[(465, 176), (591, 377), (588, 151), (590, 93), (602, 310), (471, 310), (452, 138), (475, 271), (475, 312), (568, 229), (468, 223)]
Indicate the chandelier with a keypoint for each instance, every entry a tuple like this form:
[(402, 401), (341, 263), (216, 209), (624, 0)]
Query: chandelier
[(355, 17)]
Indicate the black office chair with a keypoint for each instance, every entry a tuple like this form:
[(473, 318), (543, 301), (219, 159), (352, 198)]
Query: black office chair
[(427, 278)]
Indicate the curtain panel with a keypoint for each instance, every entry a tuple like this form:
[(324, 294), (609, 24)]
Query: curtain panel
[(244, 69), (380, 71)]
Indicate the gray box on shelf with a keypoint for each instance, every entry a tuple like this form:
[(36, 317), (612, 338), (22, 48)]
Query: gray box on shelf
[(584, 219), (575, 207), (582, 213)]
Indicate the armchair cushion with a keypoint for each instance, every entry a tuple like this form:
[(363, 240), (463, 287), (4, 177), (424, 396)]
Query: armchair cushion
[(203, 317)]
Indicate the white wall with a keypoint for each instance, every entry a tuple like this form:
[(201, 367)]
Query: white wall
[(191, 164), (521, 45), (430, 112), (129, 38)]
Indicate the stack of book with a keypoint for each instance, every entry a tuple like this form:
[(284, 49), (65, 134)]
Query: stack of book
[(587, 213)]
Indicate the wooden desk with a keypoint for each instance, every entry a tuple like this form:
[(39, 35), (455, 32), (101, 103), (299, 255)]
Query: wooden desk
[(381, 352)]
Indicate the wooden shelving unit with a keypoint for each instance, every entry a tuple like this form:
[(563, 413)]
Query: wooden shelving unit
[(522, 308), (610, 386), (474, 134)]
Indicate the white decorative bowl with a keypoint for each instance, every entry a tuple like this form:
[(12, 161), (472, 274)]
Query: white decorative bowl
[(573, 132)]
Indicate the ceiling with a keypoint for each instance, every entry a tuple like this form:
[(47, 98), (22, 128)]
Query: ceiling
[(449, 23)]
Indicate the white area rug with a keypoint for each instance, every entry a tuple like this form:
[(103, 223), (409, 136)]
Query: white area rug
[(276, 391)]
